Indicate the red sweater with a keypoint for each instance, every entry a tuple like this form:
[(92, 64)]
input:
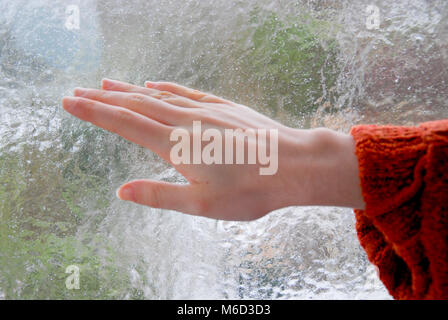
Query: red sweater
[(404, 227)]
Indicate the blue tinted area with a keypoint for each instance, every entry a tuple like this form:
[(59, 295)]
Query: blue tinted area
[(41, 32)]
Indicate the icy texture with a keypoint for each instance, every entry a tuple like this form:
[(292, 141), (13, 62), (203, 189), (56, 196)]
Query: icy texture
[(306, 63)]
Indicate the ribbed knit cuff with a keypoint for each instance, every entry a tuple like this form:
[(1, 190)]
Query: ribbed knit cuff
[(389, 166)]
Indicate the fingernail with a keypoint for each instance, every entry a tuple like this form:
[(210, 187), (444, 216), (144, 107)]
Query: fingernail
[(79, 91), (150, 84), (126, 193), (69, 103), (107, 82)]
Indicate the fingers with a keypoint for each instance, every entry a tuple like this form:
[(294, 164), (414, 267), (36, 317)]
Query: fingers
[(169, 92), (185, 92), (114, 85), (143, 104), (163, 195), (169, 97), (128, 124)]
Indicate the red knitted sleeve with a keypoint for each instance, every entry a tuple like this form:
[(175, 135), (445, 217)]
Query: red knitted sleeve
[(404, 227)]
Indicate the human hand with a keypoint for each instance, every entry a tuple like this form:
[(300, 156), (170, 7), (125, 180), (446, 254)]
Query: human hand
[(314, 167)]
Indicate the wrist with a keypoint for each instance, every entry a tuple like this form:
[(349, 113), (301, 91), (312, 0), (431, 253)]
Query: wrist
[(326, 169)]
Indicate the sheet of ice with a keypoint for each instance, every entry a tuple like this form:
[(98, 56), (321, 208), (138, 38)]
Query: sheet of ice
[(58, 176)]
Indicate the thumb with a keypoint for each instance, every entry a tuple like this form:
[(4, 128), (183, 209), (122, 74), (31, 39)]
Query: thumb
[(160, 194)]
